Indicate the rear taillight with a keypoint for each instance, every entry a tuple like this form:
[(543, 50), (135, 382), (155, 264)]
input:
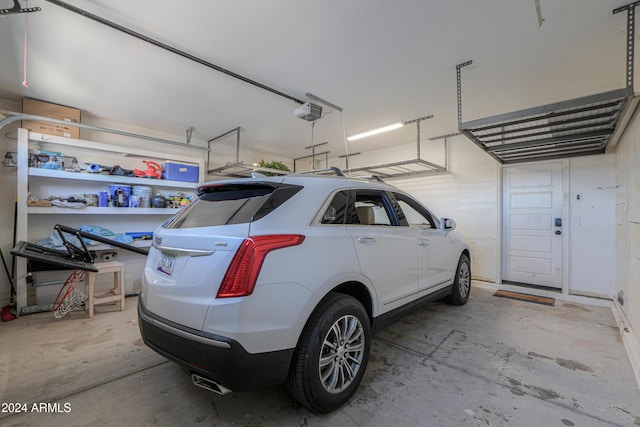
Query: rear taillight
[(241, 276)]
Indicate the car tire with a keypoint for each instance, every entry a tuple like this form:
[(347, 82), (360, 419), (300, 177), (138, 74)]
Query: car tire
[(332, 354), (461, 283)]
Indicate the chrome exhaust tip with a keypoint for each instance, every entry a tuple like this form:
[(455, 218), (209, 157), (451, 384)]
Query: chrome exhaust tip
[(208, 384)]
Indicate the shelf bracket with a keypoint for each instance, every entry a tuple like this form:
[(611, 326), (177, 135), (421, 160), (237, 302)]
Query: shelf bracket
[(459, 87), (631, 25)]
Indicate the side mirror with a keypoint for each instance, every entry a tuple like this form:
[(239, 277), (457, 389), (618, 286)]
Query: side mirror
[(447, 224)]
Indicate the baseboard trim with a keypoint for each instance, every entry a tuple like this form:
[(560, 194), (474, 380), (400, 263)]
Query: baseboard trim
[(629, 338)]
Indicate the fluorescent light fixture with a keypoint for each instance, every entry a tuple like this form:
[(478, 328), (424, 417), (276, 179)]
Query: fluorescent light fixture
[(375, 131)]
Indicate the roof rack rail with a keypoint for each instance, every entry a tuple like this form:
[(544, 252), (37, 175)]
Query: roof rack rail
[(369, 177), (333, 169)]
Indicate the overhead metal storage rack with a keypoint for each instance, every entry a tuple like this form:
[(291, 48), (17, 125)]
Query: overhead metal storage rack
[(238, 168), (404, 168), (578, 127), (242, 170), (400, 169)]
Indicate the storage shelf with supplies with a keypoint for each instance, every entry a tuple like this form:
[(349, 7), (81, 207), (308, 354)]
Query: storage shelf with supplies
[(115, 179), (36, 186), (53, 210)]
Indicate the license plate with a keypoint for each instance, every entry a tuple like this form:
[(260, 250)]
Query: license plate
[(167, 260)]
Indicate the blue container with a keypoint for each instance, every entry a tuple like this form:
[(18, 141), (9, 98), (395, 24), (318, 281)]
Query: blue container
[(119, 194), (180, 172), (103, 199)]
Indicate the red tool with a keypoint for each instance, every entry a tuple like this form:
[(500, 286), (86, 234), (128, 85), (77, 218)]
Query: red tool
[(154, 170)]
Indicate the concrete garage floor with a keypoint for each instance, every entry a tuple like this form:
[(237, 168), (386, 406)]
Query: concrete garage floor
[(493, 362)]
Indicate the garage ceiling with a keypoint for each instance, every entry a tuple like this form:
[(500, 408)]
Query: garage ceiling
[(380, 61)]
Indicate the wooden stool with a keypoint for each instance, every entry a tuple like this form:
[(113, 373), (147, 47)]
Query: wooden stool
[(114, 295)]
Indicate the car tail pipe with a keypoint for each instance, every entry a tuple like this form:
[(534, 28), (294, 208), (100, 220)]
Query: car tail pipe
[(209, 384)]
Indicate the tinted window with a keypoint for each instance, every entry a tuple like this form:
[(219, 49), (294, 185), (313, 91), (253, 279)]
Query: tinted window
[(232, 204), (337, 210)]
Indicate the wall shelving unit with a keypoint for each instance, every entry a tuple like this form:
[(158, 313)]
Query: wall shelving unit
[(37, 222)]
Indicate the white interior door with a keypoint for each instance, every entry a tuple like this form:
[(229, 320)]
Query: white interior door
[(532, 224)]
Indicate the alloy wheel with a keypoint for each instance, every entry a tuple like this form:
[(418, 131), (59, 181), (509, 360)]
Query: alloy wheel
[(342, 353)]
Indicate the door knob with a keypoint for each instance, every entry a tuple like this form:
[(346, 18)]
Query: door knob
[(558, 232)]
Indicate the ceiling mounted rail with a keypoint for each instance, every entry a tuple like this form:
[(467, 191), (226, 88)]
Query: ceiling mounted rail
[(171, 49), (578, 127)]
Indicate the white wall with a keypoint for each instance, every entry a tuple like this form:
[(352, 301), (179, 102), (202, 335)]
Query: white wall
[(627, 215), (592, 225)]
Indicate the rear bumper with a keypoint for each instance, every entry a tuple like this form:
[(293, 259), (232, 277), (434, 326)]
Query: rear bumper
[(215, 357)]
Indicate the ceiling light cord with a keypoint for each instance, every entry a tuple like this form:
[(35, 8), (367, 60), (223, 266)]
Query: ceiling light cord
[(313, 125), (25, 83), (346, 145)]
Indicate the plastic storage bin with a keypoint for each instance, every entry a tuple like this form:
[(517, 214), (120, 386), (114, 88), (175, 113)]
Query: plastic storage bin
[(180, 172)]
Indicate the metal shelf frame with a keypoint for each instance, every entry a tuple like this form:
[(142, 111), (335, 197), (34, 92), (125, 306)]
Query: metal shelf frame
[(237, 168), (405, 168), (578, 127)]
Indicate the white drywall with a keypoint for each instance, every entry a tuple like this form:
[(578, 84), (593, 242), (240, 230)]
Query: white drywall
[(592, 225), (627, 215)]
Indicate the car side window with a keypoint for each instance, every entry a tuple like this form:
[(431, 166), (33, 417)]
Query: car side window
[(337, 209), (369, 208), (415, 215)]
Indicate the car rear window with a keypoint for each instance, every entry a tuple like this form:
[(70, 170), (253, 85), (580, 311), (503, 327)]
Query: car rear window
[(235, 203)]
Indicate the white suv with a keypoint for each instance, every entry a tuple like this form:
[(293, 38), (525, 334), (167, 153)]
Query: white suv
[(272, 280)]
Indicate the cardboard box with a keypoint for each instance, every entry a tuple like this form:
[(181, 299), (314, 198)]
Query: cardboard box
[(180, 172), (54, 111)]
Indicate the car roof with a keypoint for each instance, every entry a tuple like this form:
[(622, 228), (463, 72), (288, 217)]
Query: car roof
[(327, 182)]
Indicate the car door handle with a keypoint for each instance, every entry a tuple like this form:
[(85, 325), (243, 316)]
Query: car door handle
[(423, 243), (367, 240)]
